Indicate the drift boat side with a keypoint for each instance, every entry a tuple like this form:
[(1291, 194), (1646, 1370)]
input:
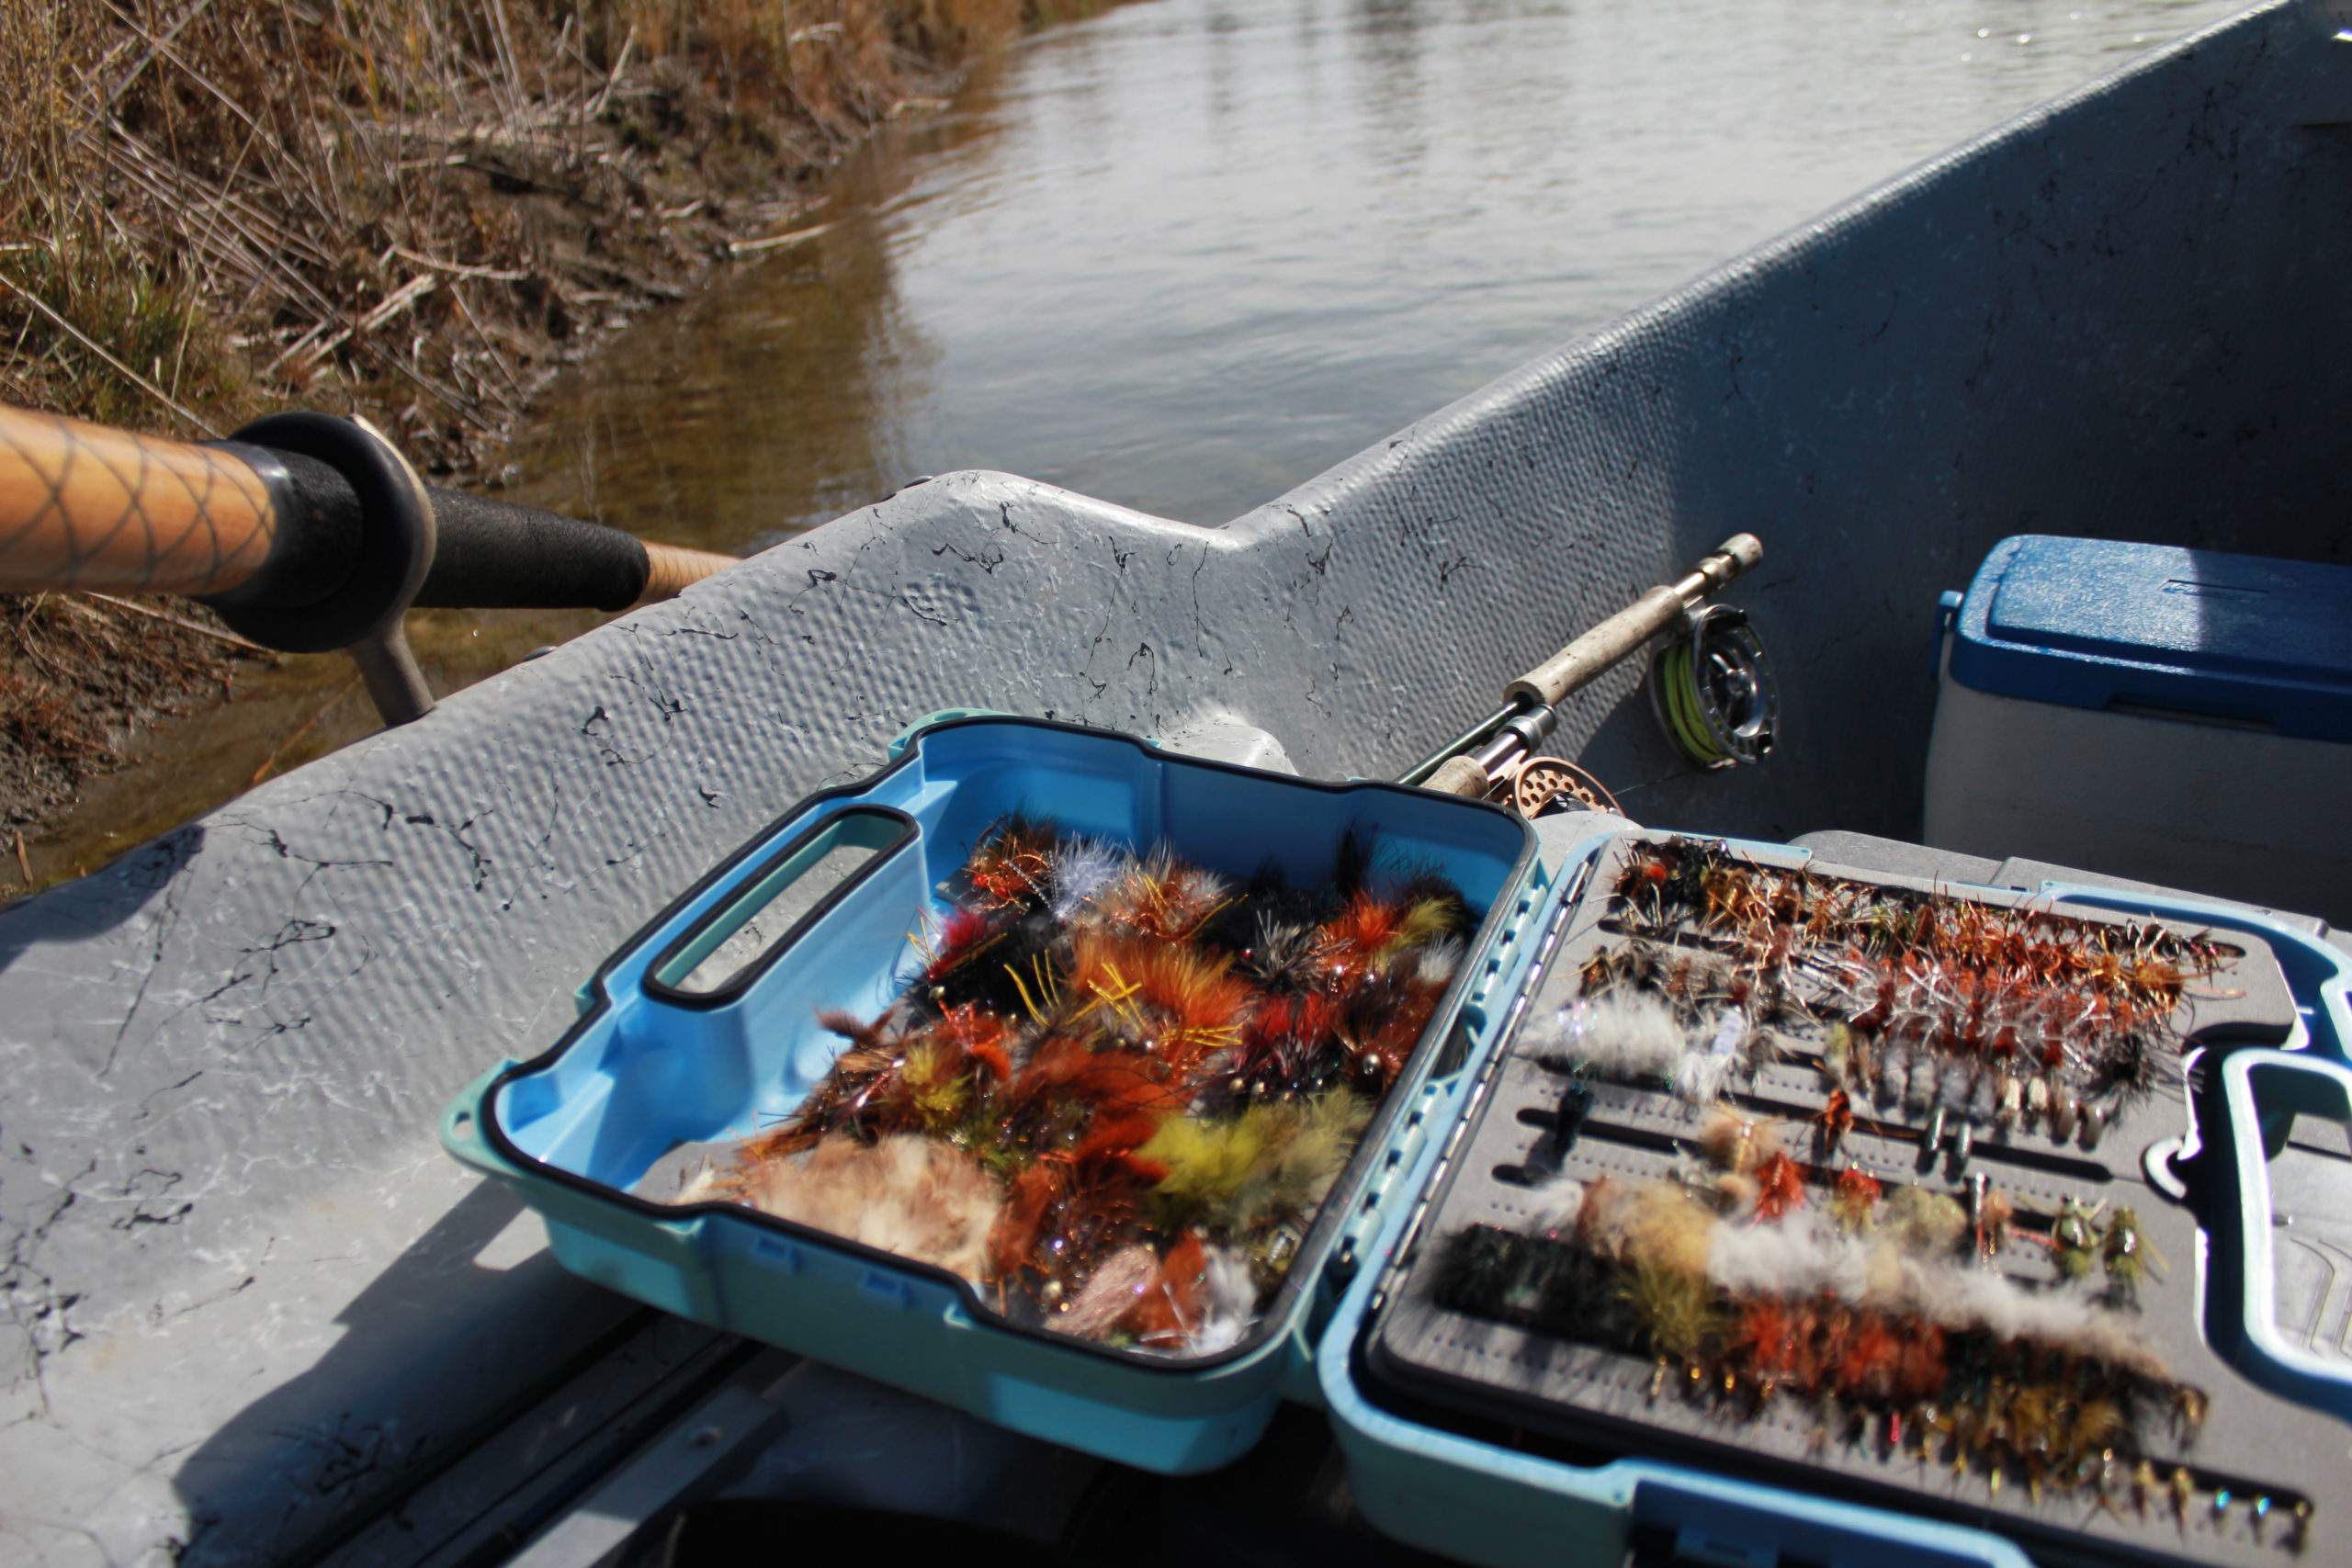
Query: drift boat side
[(248, 1299)]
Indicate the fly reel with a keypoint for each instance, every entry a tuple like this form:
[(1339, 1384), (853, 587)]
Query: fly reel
[(1713, 690), (1539, 786)]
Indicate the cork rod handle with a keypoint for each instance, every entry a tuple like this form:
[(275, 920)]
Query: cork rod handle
[(670, 570), (1602, 647)]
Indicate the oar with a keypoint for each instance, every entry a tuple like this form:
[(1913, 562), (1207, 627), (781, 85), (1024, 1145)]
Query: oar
[(306, 532), (1471, 763)]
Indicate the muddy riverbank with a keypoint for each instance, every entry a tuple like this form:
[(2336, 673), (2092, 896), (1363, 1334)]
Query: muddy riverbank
[(418, 211)]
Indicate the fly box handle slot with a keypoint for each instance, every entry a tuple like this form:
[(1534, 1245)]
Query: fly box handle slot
[(2286, 1275), (719, 957)]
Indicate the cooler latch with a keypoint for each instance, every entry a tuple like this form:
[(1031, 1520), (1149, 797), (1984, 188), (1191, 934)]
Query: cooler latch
[(1948, 605)]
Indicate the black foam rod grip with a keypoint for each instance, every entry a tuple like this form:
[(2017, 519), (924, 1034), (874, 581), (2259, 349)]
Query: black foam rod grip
[(492, 555)]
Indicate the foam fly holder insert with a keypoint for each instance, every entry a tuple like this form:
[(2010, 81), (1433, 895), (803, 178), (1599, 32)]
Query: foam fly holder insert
[(1504, 1438), (703, 1028)]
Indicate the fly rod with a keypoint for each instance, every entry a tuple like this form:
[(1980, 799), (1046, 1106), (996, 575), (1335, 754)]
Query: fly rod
[(1724, 717), (306, 532)]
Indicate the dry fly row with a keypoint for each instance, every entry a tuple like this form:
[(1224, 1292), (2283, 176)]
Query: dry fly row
[(1941, 1319)]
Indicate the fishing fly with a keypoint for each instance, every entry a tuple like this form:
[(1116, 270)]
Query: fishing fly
[(1913, 1306), (1116, 1087)]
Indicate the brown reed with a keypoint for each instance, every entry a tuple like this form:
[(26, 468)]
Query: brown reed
[(415, 210)]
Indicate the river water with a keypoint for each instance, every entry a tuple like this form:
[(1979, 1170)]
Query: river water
[(1191, 253)]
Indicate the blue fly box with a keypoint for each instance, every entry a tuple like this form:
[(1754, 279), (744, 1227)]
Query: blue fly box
[(701, 1024), (705, 1028), (1468, 1434)]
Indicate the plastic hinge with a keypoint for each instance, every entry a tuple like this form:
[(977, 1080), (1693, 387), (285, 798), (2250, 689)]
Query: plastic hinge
[(1406, 1148), (1505, 954), (885, 1290), (1403, 1150)]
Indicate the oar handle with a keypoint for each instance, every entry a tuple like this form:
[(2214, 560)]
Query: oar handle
[(84, 506), (496, 555)]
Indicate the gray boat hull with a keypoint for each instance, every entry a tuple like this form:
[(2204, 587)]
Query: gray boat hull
[(246, 1294)]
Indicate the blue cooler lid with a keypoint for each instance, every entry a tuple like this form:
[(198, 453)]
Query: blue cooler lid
[(2098, 622)]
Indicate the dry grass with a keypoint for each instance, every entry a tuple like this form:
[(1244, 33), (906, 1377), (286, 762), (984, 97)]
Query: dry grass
[(412, 209), (404, 205)]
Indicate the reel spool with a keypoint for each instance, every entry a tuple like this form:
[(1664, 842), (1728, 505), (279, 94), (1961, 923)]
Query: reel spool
[(1713, 692), (1539, 786)]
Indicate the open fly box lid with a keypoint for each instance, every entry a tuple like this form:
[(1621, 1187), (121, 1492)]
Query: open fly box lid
[(704, 1031), (2113, 1323)]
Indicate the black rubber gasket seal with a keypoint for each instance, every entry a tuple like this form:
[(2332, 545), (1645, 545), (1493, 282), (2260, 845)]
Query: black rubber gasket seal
[(395, 545)]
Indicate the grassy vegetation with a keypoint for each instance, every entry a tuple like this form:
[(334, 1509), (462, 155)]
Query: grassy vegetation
[(409, 209)]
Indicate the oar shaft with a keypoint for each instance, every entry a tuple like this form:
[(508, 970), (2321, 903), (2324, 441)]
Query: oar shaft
[(84, 506)]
